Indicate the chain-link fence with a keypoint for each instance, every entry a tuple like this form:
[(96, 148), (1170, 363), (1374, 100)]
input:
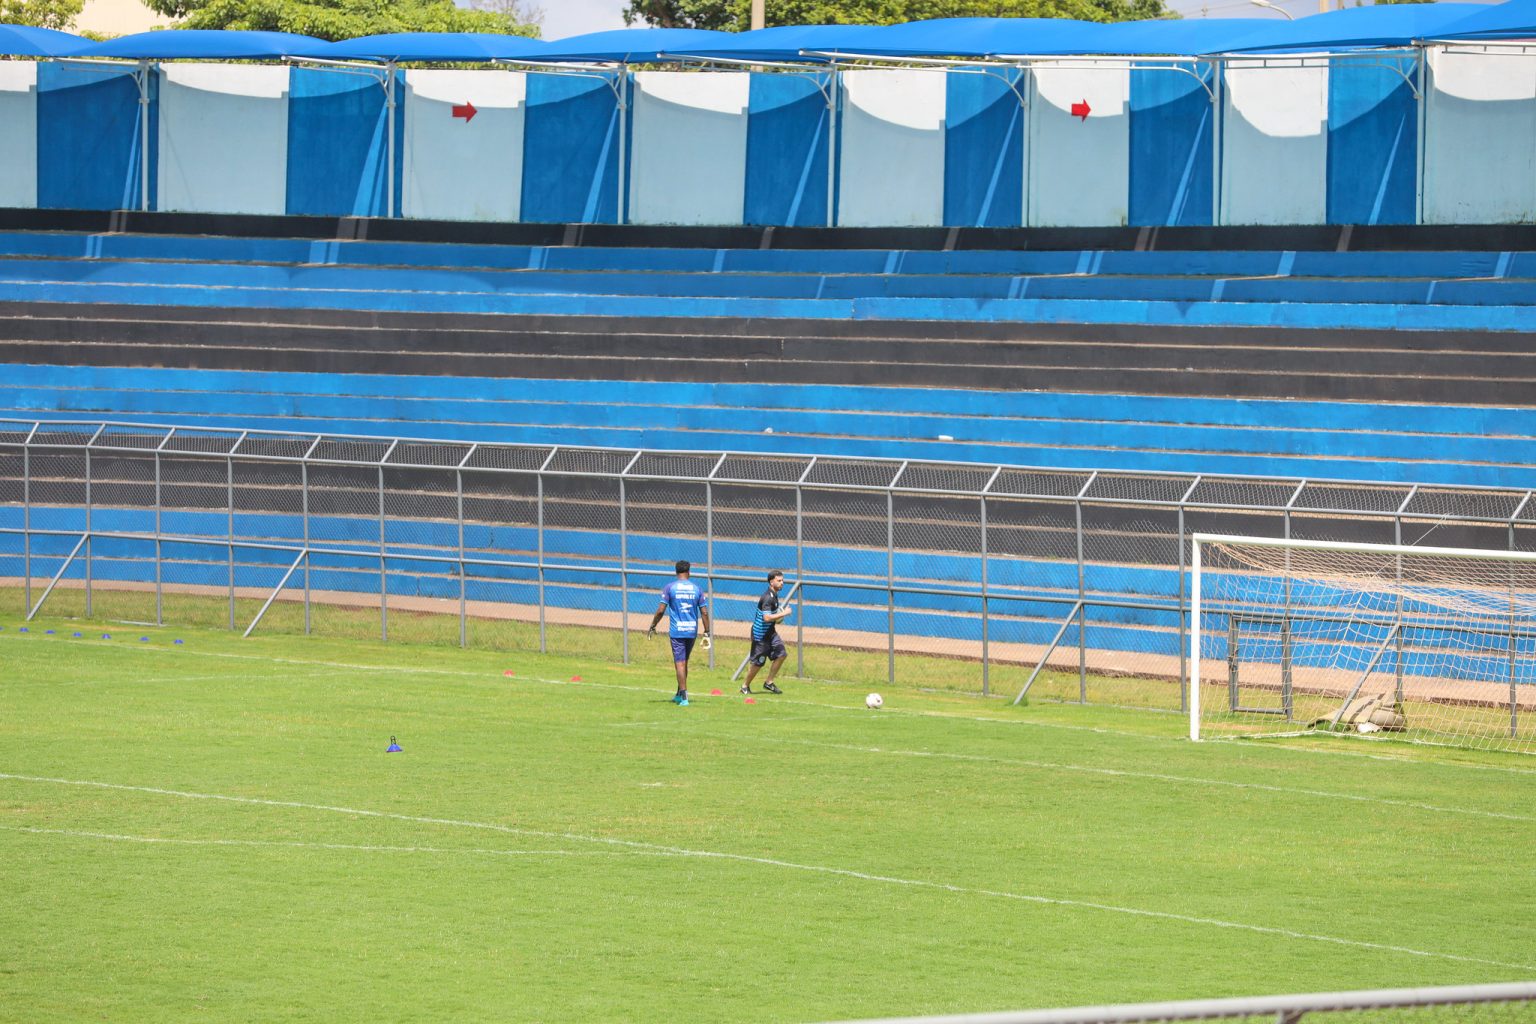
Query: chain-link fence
[(1069, 584)]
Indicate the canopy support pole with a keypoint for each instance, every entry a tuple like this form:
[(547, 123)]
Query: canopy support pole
[(389, 134)]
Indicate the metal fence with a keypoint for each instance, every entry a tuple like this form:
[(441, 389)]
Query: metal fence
[(1506, 1003), (1069, 583)]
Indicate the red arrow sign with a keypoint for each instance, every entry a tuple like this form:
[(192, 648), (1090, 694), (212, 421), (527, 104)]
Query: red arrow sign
[(468, 111), (1078, 110)]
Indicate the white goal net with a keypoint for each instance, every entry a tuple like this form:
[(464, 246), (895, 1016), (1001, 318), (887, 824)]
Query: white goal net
[(1435, 645)]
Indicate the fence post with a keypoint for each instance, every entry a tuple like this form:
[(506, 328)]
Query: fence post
[(543, 645), (709, 553), (986, 661), (890, 587), (26, 520), (159, 561), (383, 562), (88, 528), (800, 577), (304, 497), (624, 566), (458, 479), (1082, 632), (229, 466)]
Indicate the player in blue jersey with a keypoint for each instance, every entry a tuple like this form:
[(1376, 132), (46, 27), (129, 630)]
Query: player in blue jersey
[(686, 607), (766, 645)]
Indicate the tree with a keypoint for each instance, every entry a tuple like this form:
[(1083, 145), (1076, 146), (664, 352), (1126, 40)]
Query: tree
[(347, 19), (59, 14), (735, 15)]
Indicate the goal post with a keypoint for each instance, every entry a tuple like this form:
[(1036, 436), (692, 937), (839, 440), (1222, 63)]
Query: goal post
[(1430, 644)]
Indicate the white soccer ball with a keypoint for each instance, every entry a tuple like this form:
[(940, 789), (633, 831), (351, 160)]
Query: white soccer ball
[(873, 701)]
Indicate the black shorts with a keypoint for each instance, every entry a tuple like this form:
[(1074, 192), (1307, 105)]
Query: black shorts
[(769, 648)]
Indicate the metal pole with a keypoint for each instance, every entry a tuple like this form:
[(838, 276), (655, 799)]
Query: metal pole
[(458, 475), (389, 134), (1183, 622), (1082, 630), (986, 688), (88, 526), (890, 588), (1218, 106), (304, 488), (143, 81), (159, 553), (26, 520), (758, 19), (543, 640), (623, 170), (800, 579), (709, 552), (624, 566), (1194, 640), (1421, 112), (383, 568), (229, 465), (833, 95)]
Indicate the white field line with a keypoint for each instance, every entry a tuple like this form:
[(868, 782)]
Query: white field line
[(350, 847), (960, 716), (1190, 780), (678, 851), (839, 708)]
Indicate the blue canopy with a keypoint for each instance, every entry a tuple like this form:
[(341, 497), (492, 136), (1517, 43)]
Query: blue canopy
[(1357, 27), (30, 41), (1515, 19), (980, 37), (446, 47), (1179, 38), (780, 43), (206, 44), (633, 45)]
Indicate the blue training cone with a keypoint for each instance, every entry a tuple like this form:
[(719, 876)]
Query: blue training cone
[(394, 748)]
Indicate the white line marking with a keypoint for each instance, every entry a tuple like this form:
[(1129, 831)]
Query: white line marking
[(116, 837), (631, 844)]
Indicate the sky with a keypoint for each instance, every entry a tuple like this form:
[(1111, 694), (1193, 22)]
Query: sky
[(573, 17)]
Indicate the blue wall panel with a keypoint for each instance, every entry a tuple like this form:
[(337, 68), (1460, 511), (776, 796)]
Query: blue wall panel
[(89, 138), (983, 150), (1373, 132), (787, 150), (1170, 149), (337, 148), (571, 142)]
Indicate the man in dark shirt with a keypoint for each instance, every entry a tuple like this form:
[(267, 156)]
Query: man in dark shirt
[(766, 645)]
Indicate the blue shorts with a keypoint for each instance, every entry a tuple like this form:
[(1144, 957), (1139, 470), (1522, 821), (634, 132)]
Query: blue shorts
[(682, 647), (769, 648)]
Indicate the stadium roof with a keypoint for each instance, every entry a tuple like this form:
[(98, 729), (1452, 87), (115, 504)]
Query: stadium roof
[(1382, 25), (1515, 19)]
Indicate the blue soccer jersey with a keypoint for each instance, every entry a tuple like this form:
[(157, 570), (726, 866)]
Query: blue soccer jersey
[(683, 599)]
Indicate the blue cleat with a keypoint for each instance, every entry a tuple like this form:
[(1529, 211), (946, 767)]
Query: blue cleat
[(680, 701)]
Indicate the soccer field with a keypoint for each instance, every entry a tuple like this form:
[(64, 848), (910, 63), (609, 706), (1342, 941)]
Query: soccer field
[(213, 831)]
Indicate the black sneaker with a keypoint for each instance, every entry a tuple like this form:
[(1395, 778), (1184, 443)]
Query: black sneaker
[(772, 688), (747, 690)]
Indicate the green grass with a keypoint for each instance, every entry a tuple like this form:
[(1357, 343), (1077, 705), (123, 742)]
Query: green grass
[(212, 831)]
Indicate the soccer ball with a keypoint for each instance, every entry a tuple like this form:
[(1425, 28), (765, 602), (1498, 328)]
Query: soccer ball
[(873, 702)]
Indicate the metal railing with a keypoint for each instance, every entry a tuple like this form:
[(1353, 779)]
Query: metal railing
[(1452, 1004), (965, 570)]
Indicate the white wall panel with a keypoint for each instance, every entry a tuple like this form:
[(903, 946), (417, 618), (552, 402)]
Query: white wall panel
[(18, 133), (688, 151), (458, 169), (1480, 142), (1079, 168), (892, 150), (1275, 144), (223, 138)]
